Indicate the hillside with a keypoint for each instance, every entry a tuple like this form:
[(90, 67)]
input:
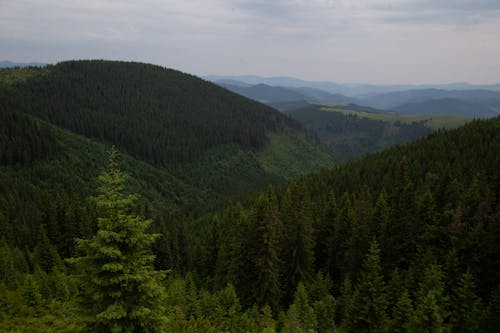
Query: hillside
[(273, 95), (467, 103), (414, 227), (265, 93), (451, 106), (156, 114), (186, 142), (352, 131), (388, 238)]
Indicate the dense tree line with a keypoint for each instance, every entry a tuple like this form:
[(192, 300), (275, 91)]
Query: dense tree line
[(406, 240), (349, 136), (23, 140)]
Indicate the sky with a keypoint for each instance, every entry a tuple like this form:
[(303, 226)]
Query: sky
[(347, 41)]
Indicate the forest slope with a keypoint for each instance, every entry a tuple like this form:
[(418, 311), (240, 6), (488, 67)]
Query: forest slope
[(208, 143)]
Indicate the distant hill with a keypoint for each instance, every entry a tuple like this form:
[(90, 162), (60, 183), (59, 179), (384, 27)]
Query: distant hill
[(451, 106), (359, 90), (349, 134), (10, 64), (266, 94), (185, 139), (272, 94), (468, 103)]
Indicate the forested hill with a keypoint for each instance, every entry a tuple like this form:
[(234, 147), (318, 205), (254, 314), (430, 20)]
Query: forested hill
[(155, 114), (187, 140), (410, 238)]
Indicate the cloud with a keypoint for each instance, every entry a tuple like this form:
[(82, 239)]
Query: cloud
[(317, 39)]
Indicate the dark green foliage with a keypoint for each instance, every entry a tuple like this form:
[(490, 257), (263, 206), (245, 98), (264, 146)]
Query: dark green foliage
[(298, 237), (367, 311), (123, 288), (432, 206), (431, 302), (23, 140), (155, 114), (267, 262), (349, 136), (492, 319), (402, 314), (300, 316), (466, 306)]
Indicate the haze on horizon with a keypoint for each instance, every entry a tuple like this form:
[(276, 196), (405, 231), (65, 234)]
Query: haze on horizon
[(363, 41)]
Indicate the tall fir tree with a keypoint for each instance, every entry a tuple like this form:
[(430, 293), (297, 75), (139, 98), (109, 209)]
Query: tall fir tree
[(431, 302), (299, 238), (267, 263), (300, 316), (401, 314), (367, 312), (466, 306), (122, 291)]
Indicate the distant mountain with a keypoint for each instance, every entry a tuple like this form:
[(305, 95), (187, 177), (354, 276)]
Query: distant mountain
[(318, 95), (468, 103), (10, 64), (273, 94), (266, 94), (395, 99), (348, 89), (451, 106)]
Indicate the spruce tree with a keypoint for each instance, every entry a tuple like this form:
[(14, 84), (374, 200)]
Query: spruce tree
[(367, 312), (267, 284), (300, 316), (402, 314), (466, 306), (122, 290), (431, 303)]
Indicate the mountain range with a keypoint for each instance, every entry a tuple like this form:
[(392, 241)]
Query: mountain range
[(470, 102), (348, 89)]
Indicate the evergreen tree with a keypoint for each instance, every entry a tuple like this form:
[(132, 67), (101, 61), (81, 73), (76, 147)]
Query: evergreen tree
[(300, 316), (367, 312), (124, 294), (267, 287), (466, 306), (31, 292), (402, 314), (299, 242), (345, 298), (431, 303), (491, 322), (323, 303)]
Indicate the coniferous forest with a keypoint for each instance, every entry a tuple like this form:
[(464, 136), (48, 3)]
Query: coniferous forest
[(139, 199)]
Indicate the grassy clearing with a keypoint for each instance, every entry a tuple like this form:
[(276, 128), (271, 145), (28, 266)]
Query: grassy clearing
[(433, 122)]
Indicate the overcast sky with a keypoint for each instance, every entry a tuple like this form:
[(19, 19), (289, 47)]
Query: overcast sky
[(369, 41)]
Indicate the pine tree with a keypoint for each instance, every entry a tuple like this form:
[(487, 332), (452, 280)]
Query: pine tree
[(367, 312), (345, 298), (491, 322), (465, 314), (123, 290), (300, 316), (299, 242), (31, 292), (402, 314), (267, 288), (431, 303), (323, 303)]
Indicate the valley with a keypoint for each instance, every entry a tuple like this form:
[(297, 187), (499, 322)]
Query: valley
[(326, 216)]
